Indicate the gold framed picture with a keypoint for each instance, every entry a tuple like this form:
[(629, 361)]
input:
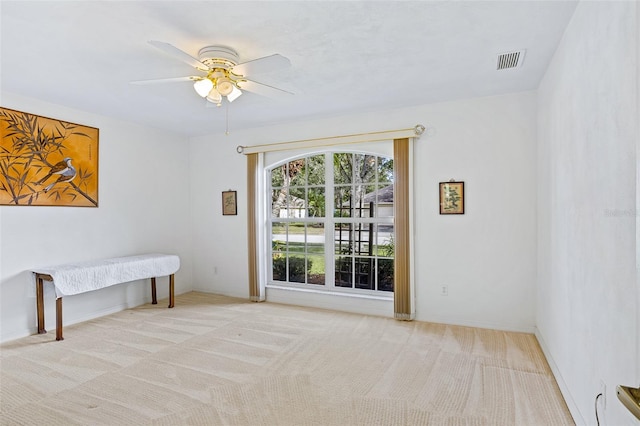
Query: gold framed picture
[(229, 203), (451, 197), (47, 162)]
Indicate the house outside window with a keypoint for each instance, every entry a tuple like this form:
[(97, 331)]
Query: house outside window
[(331, 222)]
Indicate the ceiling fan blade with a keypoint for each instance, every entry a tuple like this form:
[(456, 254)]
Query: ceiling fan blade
[(262, 89), (262, 65), (166, 80), (179, 54)]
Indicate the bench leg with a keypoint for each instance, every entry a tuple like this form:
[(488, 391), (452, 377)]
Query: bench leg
[(154, 299), (171, 282), (59, 319), (40, 305)]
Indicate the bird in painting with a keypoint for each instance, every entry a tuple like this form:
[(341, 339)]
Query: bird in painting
[(63, 170)]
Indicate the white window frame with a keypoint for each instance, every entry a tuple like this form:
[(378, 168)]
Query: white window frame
[(329, 224)]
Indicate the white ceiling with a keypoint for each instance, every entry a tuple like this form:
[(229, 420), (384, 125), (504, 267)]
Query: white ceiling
[(346, 56)]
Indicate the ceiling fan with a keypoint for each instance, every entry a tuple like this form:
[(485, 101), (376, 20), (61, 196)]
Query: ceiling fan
[(223, 75)]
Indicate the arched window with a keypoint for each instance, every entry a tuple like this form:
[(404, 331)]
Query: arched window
[(331, 222)]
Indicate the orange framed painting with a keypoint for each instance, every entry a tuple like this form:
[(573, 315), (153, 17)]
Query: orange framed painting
[(47, 162)]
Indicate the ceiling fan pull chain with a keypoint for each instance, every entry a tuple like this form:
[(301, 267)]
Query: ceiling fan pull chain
[(227, 118)]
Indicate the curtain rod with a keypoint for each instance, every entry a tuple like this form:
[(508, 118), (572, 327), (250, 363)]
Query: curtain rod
[(413, 132)]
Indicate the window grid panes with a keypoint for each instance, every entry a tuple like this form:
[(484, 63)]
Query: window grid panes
[(352, 248)]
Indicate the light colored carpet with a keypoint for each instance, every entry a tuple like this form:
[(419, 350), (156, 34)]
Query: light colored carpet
[(215, 360)]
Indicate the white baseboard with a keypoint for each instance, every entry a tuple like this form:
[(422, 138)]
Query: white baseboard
[(106, 311), (67, 321), (564, 389), (17, 334), (237, 294), (475, 324), (333, 301)]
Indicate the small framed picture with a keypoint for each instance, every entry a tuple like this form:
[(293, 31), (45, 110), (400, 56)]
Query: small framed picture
[(451, 197), (229, 203)]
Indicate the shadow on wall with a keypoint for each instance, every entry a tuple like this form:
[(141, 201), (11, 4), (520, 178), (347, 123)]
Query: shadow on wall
[(18, 305)]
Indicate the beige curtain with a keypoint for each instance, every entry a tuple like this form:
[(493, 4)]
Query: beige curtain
[(402, 267), (252, 175), (401, 138)]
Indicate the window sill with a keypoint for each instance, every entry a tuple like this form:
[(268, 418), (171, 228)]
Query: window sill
[(332, 293)]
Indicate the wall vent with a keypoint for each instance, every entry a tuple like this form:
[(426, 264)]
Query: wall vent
[(510, 60)]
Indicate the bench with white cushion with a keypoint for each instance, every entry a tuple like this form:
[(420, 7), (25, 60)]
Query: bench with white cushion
[(81, 277)]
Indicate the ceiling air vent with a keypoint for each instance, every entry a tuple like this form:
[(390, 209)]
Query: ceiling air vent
[(510, 60)]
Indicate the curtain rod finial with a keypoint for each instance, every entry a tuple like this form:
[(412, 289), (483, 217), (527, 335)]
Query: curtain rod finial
[(419, 129), (240, 149)]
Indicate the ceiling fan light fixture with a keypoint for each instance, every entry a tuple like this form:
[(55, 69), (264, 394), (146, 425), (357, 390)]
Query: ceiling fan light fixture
[(203, 87), (214, 96), (224, 86), (235, 94), (224, 74)]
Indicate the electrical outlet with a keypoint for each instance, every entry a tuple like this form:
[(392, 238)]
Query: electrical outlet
[(603, 391), (444, 290)]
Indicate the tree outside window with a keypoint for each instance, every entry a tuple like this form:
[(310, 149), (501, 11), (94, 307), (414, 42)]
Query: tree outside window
[(352, 248)]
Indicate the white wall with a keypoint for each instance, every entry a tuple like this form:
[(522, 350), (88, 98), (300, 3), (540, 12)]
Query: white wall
[(638, 196), (486, 256), (587, 311), (143, 207)]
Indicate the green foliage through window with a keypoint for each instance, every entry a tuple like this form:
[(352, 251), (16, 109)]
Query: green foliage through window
[(361, 248)]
